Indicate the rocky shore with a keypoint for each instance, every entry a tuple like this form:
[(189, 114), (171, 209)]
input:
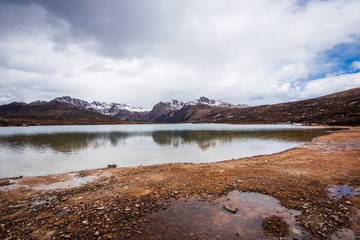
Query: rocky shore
[(126, 203)]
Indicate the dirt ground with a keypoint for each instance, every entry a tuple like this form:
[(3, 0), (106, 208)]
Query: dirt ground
[(116, 203)]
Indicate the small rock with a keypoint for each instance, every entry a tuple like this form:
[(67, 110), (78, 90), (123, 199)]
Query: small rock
[(348, 202), (336, 218), (239, 181), (127, 209), (232, 210), (27, 230), (85, 222), (97, 233)]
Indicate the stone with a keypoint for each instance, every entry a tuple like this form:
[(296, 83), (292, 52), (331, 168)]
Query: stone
[(232, 210), (336, 218)]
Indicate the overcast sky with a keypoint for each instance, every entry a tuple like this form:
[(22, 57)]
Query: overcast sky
[(146, 51)]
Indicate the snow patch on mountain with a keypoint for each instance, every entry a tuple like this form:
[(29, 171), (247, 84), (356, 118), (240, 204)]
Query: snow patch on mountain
[(213, 103), (175, 104)]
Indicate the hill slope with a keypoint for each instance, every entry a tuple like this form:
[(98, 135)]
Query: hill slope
[(50, 113), (342, 108)]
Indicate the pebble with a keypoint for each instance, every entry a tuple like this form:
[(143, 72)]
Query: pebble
[(336, 218), (232, 210)]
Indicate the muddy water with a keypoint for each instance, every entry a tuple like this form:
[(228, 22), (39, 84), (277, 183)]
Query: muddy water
[(195, 219), (339, 191)]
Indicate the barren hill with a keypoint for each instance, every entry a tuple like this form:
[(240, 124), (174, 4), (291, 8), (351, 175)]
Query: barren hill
[(51, 113), (342, 108)]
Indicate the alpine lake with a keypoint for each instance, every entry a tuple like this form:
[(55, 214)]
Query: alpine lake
[(44, 150)]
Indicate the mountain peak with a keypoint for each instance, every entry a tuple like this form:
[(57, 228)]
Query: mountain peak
[(204, 100), (210, 102), (74, 101)]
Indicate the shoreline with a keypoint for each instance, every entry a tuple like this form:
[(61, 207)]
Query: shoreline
[(298, 178), (304, 124)]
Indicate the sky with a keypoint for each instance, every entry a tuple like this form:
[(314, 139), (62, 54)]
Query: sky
[(146, 51)]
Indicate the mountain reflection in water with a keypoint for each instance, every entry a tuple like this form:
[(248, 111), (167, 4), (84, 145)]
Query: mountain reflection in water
[(204, 139)]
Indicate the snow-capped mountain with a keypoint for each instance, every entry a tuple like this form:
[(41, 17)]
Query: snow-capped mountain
[(175, 104), (106, 108), (74, 101), (129, 112), (210, 102)]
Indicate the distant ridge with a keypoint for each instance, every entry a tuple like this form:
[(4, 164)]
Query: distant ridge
[(342, 108)]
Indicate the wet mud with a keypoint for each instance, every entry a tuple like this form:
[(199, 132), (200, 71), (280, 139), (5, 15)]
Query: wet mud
[(207, 219)]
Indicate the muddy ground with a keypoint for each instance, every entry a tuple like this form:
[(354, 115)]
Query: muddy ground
[(120, 203)]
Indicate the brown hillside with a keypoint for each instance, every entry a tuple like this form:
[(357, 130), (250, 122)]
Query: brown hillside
[(342, 108), (51, 113)]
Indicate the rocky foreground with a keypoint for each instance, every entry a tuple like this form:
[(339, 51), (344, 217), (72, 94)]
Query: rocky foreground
[(124, 203)]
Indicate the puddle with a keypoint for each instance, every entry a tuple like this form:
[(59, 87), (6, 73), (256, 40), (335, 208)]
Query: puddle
[(12, 186), (194, 219), (344, 233), (75, 182), (339, 191)]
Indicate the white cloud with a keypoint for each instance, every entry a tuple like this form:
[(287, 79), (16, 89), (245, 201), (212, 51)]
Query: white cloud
[(253, 52), (330, 84), (356, 65)]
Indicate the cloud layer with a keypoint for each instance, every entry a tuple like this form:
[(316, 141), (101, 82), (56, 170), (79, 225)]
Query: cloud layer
[(253, 52)]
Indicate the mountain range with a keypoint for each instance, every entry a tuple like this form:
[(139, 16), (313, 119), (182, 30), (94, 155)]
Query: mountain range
[(342, 108), (129, 112)]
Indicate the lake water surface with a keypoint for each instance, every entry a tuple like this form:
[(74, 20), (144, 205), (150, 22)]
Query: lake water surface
[(43, 150)]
